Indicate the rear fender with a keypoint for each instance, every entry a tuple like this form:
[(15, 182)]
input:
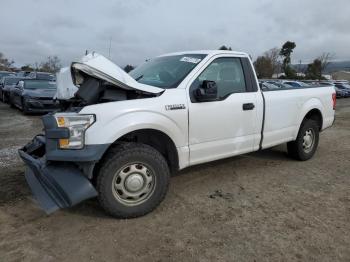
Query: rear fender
[(313, 103)]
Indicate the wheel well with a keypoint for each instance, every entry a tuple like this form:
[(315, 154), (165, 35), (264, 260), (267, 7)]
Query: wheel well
[(159, 141), (315, 115)]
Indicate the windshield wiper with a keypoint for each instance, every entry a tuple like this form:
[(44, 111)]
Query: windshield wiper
[(138, 78)]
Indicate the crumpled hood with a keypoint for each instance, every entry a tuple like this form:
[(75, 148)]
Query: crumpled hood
[(100, 67)]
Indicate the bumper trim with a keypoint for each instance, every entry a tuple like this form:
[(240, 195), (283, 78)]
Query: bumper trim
[(55, 185)]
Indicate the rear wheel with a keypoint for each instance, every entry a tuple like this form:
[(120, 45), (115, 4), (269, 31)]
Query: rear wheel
[(132, 181), (10, 101), (304, 147)]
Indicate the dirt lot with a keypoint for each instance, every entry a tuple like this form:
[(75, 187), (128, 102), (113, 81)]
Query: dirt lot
[(257, 207)]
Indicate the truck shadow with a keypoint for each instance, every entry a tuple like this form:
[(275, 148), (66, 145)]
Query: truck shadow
[(91, 207), (278, 154)]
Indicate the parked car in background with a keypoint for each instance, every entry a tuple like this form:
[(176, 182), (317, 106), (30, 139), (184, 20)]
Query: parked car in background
[(339, 92), (343, 85), (295, 83), (42, 76), (6, 85), (6, 73), (279, 84), (344, 88), (32, 95), (268, 85), (340, 82), (2, 79), (23, 73)]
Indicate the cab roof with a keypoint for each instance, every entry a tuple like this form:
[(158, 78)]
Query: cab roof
[(207, 52)]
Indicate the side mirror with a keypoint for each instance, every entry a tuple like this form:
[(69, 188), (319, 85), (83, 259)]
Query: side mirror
[(208, 91)]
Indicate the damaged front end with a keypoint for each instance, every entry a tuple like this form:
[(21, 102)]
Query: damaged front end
[(94, 80), (59, 165), (59, 175), (54, 185)]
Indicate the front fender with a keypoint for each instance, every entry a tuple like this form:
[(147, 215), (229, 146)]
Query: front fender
[(109, 132)]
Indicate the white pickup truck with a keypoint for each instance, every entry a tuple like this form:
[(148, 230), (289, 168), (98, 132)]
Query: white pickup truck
[(121, 136)]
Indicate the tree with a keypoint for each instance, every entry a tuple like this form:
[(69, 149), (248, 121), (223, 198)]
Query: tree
[(274, 55), (263, 67), (314, 70), (5, 63), (51, 65), (128, 68), (325, 60), (223, 47), (27, 67), (286, 51)]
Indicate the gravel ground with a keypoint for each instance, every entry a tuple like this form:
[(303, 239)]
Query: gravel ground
[(256, 207)]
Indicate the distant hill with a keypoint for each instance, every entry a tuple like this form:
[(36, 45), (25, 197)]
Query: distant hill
[(332, 67)]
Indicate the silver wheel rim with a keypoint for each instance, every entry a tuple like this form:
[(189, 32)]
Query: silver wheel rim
[(308, 140), (133, 184)]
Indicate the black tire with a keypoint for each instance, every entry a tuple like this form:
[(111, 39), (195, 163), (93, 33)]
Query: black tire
[(297, 149), (10, 101), (4, 97), (116, 159), (24, 107)]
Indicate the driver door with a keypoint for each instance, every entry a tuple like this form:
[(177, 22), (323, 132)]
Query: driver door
[(226, 126)]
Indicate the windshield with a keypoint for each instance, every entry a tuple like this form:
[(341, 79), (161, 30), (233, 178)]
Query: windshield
[(44, 76), (304, 84), (344, 86), (166, 71), (3, 74), (33, 84), (11, 80)]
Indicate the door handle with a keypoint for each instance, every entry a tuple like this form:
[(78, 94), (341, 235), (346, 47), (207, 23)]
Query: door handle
[(248, 106)]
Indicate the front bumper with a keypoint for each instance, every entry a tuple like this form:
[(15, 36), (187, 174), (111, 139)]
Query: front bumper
[(54, 184), (41, 105)]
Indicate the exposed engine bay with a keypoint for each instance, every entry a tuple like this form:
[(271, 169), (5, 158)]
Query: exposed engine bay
[(92, 90)]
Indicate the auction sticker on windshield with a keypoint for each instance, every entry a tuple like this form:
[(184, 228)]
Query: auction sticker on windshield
[(190, 59)]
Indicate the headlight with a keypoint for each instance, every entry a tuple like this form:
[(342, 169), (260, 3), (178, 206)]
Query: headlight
[(77, 124)]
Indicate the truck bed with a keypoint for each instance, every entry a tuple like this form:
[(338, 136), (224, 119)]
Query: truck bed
[(285, 109)]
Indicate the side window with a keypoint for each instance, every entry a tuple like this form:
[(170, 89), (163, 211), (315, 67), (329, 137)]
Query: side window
[(227, 72)]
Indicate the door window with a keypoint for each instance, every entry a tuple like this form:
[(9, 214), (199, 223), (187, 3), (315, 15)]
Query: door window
[(227, 72)]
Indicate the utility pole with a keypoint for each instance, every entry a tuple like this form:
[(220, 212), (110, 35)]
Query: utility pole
[(109, 49)]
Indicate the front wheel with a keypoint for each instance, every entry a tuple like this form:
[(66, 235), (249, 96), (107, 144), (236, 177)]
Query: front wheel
[(304, 147), (132, 181), (24, 106), (4, 97)]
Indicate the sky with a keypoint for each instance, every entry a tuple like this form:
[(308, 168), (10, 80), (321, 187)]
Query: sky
[(31, 30)]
